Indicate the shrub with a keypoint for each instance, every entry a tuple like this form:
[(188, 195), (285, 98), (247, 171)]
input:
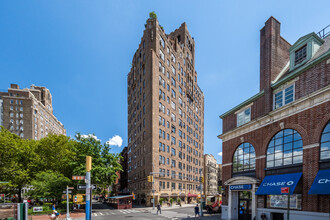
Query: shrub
[(152, 15)]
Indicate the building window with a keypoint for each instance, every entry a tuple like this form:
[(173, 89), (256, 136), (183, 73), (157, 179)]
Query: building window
[(285, 148), (281, 201), (300, 55), (244, 158), (11, 101), (325, 143), (284, 97), (161, 54), (162, 42), (243, 117)]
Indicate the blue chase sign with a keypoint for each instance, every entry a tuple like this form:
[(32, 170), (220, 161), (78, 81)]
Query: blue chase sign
[(321, 184), (240, 187)]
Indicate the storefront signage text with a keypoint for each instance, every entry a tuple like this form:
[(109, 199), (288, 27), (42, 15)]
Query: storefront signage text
[(240, 187)]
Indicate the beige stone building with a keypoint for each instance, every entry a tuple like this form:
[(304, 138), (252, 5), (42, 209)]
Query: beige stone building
[(219, 176), (165, 117), (210, 175), (29, 112)]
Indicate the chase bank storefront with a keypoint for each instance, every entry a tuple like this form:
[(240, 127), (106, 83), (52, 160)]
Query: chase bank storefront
[(249, 199)]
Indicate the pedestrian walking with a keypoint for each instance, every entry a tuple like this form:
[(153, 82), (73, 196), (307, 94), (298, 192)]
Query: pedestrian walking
[(159, 209), (197, 210)]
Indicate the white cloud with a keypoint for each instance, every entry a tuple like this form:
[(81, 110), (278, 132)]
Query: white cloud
[(220, 154), (115, 141), (89, 136)]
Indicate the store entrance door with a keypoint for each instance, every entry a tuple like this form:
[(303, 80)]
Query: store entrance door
[(244, 205)]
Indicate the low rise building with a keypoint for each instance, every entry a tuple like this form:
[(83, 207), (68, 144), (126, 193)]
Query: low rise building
[(210, 175), (278, 141)]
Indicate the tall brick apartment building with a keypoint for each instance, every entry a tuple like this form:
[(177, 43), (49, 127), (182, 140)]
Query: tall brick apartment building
[(29, 112), (165, 116), (280, 137)]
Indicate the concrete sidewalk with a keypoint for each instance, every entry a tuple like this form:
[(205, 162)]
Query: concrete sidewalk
[(76, 216)]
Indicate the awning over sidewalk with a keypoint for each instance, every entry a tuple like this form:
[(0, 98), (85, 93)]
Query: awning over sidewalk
[(192, 195), (271, 185), (321, 184)]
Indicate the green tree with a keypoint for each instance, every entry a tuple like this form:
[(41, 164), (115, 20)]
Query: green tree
[(105, 165), (152, 15), (17, 161), (48, 184)]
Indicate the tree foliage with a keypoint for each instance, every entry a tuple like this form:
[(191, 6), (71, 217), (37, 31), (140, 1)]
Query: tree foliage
[(49, 184), (47, 165), (152, 15)]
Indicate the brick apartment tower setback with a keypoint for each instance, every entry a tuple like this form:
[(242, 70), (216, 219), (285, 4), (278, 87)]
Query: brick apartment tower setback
[(165, 117), (28, 112)]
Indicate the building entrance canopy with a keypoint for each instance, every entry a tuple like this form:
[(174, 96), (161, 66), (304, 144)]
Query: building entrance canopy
[(271, 185), (321, 184)]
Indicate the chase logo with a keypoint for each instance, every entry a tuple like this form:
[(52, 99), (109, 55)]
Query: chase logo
[(324, 181), (289, 183)]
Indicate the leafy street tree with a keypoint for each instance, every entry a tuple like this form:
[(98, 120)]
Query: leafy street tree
[(104, 164), (49, 184), (17, 161), (47, 165)]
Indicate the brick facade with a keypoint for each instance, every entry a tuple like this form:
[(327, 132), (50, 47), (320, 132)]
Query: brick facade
[(308, 114), (150, 112)]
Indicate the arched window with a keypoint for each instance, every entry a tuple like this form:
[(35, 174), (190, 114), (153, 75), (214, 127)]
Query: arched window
[(285, 148), (244, 158), (325, 143)]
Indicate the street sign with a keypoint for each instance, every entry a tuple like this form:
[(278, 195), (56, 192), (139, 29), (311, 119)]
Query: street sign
[(152, 200), (285, 190), (83, 187), (78, 177), (70, 187), (68, 191), (37, 209)]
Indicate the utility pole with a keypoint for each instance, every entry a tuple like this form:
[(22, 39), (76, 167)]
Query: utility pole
[(67, 204), (153, 188), (288, 212), (88, 187)]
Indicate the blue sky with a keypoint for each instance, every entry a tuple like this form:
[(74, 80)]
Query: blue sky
[(81, 50)]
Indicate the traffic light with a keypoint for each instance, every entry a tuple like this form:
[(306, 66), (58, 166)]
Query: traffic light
[(201, 179), (150, 179)]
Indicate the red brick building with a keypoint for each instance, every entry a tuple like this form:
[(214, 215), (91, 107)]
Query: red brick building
[(281, 136)]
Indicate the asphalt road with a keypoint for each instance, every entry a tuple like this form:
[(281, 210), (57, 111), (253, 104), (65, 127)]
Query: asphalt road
[(103, 212)]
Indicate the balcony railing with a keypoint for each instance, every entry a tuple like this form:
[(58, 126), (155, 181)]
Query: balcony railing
[(324, 32)]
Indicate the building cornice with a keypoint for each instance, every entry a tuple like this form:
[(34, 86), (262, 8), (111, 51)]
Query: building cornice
[(256, 96), (309, 101)]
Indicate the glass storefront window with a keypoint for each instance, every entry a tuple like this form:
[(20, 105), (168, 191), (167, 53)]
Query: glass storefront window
[(281, 201)]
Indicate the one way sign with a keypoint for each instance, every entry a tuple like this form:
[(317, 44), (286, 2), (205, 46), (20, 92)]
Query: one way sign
[(83, 187)]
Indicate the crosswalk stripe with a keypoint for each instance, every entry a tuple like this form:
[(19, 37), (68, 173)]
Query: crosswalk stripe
[(101, 213)]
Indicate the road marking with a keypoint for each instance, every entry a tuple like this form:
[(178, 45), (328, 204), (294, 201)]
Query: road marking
[(101, 213), (95, 214)]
